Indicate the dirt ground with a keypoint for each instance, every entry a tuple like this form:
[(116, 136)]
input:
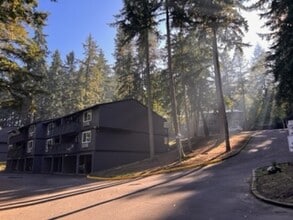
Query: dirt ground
[(204, 150), (277, 186)]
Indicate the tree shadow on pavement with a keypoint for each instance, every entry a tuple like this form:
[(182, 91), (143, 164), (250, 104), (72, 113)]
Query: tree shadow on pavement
[(45, 188), (219, 191)]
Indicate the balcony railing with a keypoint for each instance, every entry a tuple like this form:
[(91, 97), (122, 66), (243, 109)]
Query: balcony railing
[(62, 148), (64, 129), (17, 138), (69, 128), (16, 152)]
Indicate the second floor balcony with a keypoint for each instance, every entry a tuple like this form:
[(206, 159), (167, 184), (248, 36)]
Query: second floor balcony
[(69, 128), (16, 152), (21, 137), (63, 148)]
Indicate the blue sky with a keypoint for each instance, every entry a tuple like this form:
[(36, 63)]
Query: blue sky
[(71, 21)]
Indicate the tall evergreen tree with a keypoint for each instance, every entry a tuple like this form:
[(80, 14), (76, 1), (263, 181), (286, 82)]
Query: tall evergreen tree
[(18, 50), (71, 84), (40, 68), (172, 84), (93, 69), (54, 86), (137, 19), (279, 17), (260, 92), (127, 79), (215, 17)]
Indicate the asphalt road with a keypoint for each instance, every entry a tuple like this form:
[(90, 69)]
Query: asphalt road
[(219, 191)]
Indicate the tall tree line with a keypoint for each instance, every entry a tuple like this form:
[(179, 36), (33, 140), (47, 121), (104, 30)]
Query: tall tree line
[(279, 18), (182, 59), (64, 86), (75, 84), (218, 20)]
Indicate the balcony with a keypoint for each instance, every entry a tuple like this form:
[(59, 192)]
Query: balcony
[(16, 152), (17, 138), (69, 128), (53, 132), (62, 148)]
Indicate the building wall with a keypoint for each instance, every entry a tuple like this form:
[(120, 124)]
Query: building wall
[(119, 135), (4, 142), (129, 116), (106, 160), (3, 151), (123, 140)]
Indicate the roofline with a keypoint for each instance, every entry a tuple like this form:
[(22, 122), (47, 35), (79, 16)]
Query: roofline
[(91, 107)]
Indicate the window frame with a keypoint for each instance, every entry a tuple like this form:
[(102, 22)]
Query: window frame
[(50, 128), (87, 116), (31, 130), (49, 143), (86, 137), (30, 146)]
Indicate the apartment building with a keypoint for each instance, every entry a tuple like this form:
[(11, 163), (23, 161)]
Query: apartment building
[(97, 138)]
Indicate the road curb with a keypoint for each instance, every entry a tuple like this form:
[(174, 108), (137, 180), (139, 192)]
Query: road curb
[(255, 192), (217, 159)]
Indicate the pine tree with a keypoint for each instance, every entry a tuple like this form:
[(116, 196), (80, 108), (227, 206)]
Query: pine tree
[(71, 84), (18, 51), (129, 81), (137, 21), (172, 85), (40, 68), (220, 17), (54, 88), (279, 17), (93, 72)]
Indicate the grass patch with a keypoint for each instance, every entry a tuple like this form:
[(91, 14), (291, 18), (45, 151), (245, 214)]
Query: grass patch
[(277, 186)]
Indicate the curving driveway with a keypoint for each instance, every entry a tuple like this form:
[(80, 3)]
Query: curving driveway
[(219, 191)]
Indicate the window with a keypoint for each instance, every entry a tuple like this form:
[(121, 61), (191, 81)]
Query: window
[(86, 137), (30, 146), (49, 143), (31, 130), (87, 116), (50, 128)]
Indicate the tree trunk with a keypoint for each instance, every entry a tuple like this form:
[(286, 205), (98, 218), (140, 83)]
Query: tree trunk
[(187, 118), (204, 122), (149, 98), (172, 87), (219, 91), (244, 106)]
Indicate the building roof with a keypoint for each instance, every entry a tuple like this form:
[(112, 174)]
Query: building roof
[(91, 107)]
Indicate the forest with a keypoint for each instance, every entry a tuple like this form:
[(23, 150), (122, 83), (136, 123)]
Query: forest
[(181, 58)]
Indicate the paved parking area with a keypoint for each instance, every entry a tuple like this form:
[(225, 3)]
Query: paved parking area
[(216, 192), (19, 186)]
